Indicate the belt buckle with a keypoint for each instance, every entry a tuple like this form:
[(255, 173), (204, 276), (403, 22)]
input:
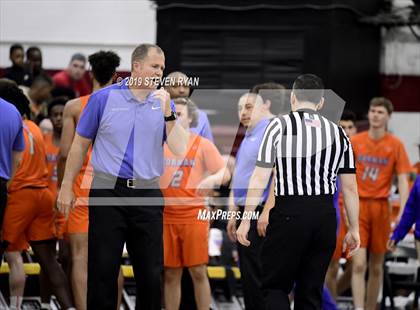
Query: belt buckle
[(131, 183)]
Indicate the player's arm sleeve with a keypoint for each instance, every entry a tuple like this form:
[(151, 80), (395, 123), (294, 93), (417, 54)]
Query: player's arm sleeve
[(19, 142), (268, 148), (402, 163), (90, 118), (347, 162), (411, 212)]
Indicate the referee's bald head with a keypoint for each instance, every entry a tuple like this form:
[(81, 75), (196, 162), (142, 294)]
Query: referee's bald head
[(308, 88)]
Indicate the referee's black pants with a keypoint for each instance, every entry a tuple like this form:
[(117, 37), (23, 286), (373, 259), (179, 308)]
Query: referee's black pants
[(140, 227), (299, 244), (250, 266)]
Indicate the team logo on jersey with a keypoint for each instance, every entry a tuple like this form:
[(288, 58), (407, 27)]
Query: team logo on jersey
[(373, 160)]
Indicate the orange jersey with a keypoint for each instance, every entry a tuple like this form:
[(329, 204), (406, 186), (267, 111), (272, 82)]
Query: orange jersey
[(84, 179), (183, 174), (376, 163), (33, 171), (52, 155)]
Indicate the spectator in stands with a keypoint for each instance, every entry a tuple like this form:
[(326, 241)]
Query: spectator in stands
[(180, 89), (17, 72), (63, 91), (74, 76), (33, 65), (38, 94)]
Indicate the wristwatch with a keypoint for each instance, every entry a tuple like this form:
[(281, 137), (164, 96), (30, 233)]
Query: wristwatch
[(171, 117)]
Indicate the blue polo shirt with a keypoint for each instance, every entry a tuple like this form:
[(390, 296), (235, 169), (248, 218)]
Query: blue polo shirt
[(246, 159), (203, 126), (11, 136), (128, 134)]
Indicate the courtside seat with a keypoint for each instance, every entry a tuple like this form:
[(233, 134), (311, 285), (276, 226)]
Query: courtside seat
[(214, 272), (30, 268), (401, 271)]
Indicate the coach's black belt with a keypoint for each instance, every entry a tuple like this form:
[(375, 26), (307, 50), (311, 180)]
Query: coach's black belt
[(137, 183), (129, 183)]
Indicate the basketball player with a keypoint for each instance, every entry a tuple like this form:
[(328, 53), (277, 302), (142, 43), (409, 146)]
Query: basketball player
[(103, 65), (29, 214), (379, 156), (185, 235)]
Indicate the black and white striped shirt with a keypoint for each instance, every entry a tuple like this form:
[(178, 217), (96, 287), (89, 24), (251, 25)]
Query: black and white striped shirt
[(308, 151)]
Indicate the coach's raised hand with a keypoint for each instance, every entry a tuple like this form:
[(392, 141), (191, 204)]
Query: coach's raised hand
[(177, 137), (165, 101)]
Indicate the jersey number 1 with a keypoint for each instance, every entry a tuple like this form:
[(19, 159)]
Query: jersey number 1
[(31, 143)]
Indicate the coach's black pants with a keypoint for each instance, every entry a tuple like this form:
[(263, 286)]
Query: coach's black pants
[(140, 226), (299, 244), (251, 269)]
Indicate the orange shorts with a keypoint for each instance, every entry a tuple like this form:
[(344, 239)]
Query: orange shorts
[(19, 246), (375, 224), (185, 245), (29, 216), (78, 221), (60, 225)]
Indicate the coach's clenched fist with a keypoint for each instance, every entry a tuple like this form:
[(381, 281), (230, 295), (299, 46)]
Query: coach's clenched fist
[(165, 101)]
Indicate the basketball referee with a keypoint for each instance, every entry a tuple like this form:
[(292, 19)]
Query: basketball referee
[(308, 152)]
